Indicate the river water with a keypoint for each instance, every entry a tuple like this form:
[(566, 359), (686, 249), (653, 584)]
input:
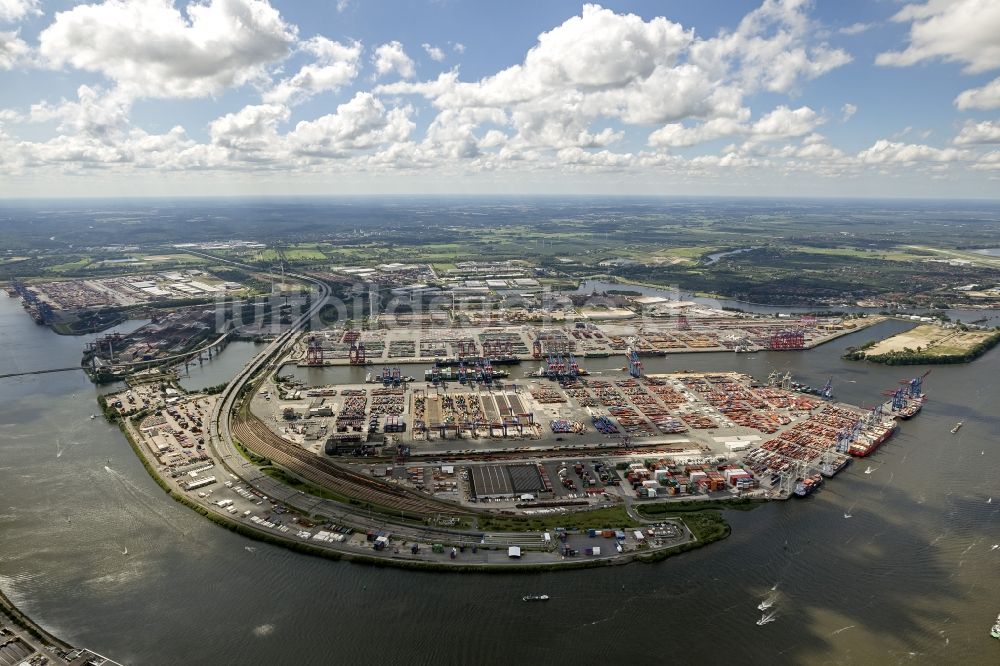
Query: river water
[(910, 578)]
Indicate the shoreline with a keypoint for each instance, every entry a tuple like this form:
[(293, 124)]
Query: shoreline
[(338, 554), (46, 647)]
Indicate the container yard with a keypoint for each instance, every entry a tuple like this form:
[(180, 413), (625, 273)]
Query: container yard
[(644, 437), (130, 290), (439, 337)]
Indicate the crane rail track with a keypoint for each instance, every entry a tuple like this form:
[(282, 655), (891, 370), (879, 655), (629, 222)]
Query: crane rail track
[(257, 437)]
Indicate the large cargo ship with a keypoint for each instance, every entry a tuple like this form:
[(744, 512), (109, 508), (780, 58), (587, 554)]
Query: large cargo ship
[(454, 362), (806, 486), (870, 438), (911, 409), (833, 467), (461, 374)]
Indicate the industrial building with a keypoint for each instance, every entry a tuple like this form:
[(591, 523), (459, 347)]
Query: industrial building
[(504, 481)]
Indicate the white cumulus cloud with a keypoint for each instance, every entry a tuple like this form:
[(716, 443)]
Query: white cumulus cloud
[(884, 151), (390, 58), (780, 123), (151, 49), (15, 10), (12, 50), (434, 52), (363, 122), (336, 65), (984, 132), (985, 97), (963, 31)]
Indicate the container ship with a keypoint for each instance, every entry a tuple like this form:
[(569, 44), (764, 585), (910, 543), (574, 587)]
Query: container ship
[(911, 409), (449, 374), (871, 438), (832, 468), (806, 486), (542, 373), (493, 360)]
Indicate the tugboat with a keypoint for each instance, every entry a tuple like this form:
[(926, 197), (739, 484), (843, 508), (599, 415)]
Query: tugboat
[(535, 597), (995, 631)]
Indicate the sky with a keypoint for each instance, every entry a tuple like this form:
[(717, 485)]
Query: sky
[(832, 98)]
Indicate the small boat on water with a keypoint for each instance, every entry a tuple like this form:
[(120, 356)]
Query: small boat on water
[(957, 427), (93, 416), (995, 631), (764, 605), (535, 597)]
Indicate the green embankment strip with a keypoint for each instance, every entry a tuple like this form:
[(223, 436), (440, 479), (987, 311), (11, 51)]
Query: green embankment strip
[(26, 623), (656, 510)]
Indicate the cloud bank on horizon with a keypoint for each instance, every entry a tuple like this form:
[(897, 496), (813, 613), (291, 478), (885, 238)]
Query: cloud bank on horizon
[(251, 96)]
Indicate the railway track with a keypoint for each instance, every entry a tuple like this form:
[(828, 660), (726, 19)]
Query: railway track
[(257, 437)]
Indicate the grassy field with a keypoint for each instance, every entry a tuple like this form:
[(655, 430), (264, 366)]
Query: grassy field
[(187, 259), (932, 340), (71, 266)]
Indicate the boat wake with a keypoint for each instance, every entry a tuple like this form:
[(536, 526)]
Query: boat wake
[(767, 603), (850, 626), (766, 618)]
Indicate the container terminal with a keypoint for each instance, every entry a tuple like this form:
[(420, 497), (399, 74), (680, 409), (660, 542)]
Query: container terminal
[(439, 472), (447, 454), (429, 338)]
